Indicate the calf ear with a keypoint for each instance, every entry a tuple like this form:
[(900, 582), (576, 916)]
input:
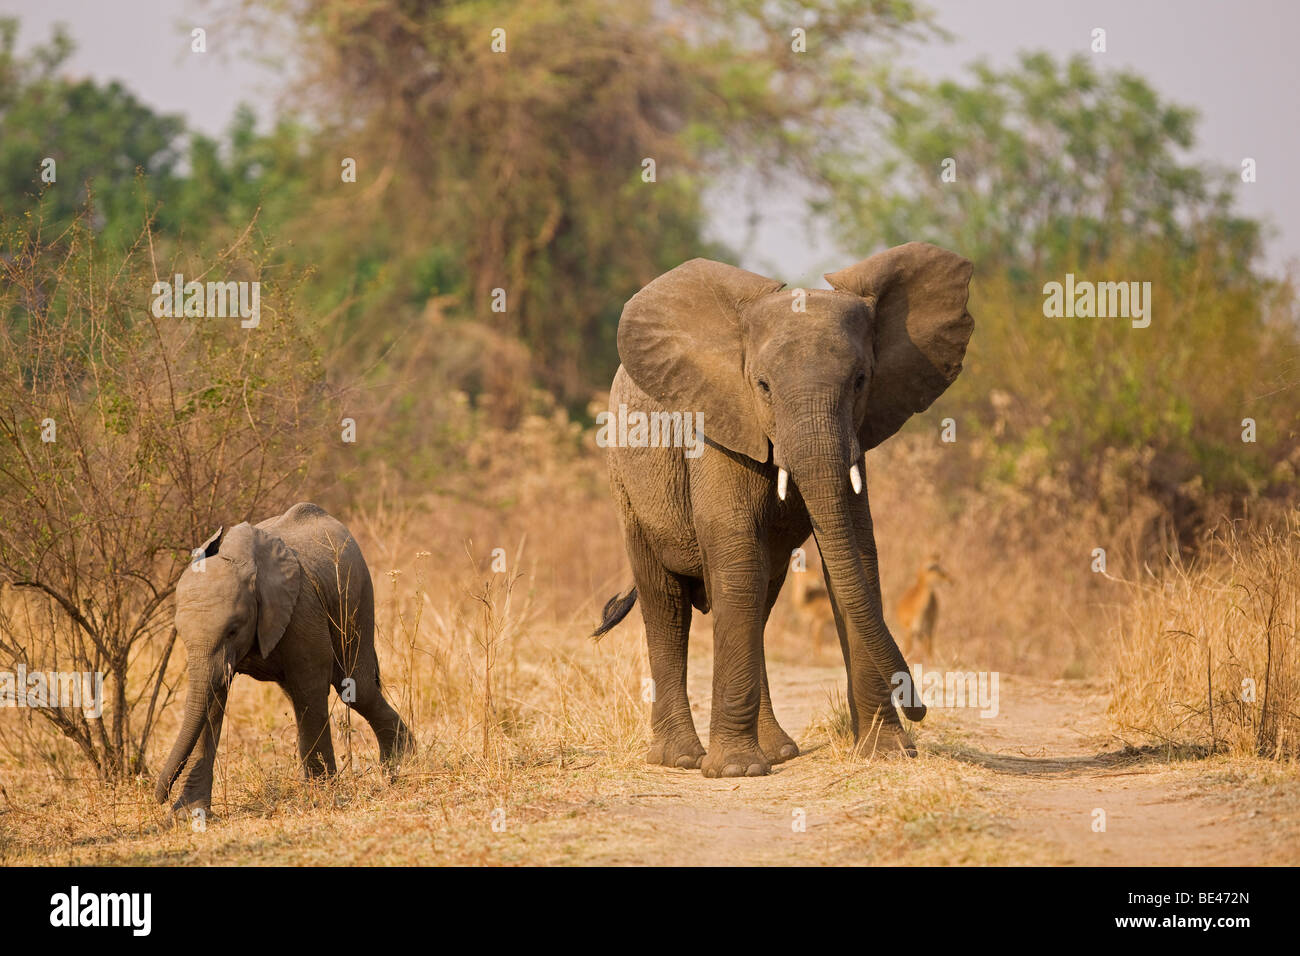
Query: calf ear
[(279, 579), (920, 331), (209, 548)]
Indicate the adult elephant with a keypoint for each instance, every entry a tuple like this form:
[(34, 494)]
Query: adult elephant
[(289, 600), (793, 387)]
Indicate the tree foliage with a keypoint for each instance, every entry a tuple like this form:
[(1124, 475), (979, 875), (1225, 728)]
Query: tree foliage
[(522, 171), (1056, 164), (96, 134), (1062, 168)]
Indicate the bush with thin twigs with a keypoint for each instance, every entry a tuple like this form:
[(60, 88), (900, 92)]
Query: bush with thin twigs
[(125, 440)]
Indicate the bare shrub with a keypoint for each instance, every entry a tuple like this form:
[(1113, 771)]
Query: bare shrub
[(125, 440)]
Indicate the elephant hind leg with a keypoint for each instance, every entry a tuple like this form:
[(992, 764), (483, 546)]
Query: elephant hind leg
[(364, 695), (666, 609), (395, 739)]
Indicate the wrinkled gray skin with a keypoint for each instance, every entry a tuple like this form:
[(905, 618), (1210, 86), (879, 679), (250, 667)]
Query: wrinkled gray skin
[(807, 392), (272, 602)]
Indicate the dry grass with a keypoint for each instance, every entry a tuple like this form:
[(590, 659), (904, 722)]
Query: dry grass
[(531, 737), (1208, 657), (511, 704)]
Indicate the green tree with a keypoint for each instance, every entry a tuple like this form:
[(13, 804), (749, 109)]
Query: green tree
[(128, 162), (98, 136), (1060, 168), (524, 170), (1056, 163)]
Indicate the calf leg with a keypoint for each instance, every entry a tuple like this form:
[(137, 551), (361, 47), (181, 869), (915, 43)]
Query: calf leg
[(311, 711), (395, 740)]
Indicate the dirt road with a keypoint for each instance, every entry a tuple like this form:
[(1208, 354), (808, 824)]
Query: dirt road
[(1033, 784)]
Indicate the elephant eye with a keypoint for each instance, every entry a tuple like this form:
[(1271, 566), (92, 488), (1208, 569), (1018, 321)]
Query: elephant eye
[(860, 382), (767, 389)]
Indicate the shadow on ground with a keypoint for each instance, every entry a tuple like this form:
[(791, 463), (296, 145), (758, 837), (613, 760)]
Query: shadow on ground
[(1029, 766)]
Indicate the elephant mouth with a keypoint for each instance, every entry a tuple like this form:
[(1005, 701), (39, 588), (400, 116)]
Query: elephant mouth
[(855, 464)]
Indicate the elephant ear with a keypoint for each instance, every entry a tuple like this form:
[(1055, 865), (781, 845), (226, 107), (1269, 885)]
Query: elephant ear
[(210, 547), (681, 339), (920, 332), (277, 578)]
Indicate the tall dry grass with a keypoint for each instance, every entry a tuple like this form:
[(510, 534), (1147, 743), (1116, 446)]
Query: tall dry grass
[(512, 704), (493, 668), (1208, 656)]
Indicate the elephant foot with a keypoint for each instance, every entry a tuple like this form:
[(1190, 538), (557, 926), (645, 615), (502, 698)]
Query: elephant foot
[(735, 759), (885, 740), (396, 745), (776, 744), (194, 815), (398, 751), (684, 751)]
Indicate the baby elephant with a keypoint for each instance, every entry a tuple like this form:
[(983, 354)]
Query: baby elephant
[(289, 600)]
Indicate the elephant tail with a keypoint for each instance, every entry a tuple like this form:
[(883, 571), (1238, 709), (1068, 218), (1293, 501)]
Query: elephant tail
[(616, 609)]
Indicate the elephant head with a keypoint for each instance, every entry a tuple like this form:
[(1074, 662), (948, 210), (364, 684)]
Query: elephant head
[(242, 593), (806, 381)]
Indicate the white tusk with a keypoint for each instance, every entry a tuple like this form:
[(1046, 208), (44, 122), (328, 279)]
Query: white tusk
[(855, 478), (781, 479)]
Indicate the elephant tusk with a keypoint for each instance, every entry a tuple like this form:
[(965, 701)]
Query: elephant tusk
[(781, 479), (855, 478)]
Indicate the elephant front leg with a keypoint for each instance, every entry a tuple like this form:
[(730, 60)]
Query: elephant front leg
[(775, 742), (734, 749), (195, 799)]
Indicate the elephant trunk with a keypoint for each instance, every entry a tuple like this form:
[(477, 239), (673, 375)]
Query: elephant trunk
[(827, 468), (204, 692)]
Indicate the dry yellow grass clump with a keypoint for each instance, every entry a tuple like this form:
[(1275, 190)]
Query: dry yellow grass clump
[(1209, 656)]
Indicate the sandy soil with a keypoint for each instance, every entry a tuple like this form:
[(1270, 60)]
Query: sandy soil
[(1046, 766)]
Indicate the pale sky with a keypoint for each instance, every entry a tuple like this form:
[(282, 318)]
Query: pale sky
[(1235, 62)]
